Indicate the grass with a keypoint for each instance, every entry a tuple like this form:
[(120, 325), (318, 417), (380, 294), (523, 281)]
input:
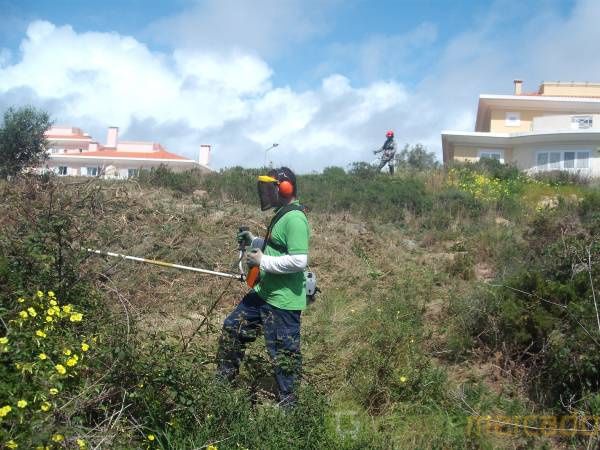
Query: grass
[(390, 357)]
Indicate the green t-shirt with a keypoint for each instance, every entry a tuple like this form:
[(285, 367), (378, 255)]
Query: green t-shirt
[(286, 290)]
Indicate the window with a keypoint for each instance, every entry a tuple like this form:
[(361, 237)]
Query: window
[(131, 173), (512, 119), (563, 160), (91, 171), (62, 170), (583, 160), (492, 154), (554, 160), (542, 159), (582, 122), (569, 160)]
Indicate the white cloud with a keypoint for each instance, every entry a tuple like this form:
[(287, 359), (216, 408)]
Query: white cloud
[(262, 26), (191, 97)]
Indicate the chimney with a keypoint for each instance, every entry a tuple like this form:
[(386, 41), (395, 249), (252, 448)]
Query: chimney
[(112, 137), (204, 157), (518, 86)]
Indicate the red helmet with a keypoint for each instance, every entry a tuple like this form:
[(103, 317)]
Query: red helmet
[(390, 134)]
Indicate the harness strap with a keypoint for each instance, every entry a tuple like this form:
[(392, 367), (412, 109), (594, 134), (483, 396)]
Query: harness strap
[(280, 213)]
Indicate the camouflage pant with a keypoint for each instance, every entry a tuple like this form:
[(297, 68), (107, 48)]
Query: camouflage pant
[(282, 337), (389, 162)]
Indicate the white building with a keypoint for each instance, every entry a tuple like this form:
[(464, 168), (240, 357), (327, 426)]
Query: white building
[(73, 152), (556, 127)]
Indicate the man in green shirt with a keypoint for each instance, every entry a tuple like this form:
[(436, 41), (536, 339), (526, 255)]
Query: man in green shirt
[(276, 302)]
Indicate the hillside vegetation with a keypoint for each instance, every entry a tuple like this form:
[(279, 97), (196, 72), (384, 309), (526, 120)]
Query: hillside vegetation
[(454, 303)]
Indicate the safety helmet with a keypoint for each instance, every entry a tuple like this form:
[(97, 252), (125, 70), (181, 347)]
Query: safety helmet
[(389, 134), (278, 184)]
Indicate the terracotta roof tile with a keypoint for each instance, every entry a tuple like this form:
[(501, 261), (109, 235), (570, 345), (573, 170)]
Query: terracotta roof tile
[(162, 154)]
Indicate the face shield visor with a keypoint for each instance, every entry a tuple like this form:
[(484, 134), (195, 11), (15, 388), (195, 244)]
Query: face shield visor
[(268, 192)]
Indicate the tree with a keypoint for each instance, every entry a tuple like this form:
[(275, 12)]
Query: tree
[(22, 140), (416, 157)]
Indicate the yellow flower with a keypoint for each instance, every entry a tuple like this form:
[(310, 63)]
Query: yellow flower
[(40, 333), (31, 311), (11, 444), (67, 352), (84, 347), (45, 406), (5, 410), (40, 294), (72, 361), (42, 356), (60, 369), (67, 308), (23, 314), (51, 294), (76, 317), (58, 437), (53, 391), (211, 447), (151, 437), (53, 302), (402, 379), (4, 340), (48, 319), (80, 443), (20, 299), (22, 403)]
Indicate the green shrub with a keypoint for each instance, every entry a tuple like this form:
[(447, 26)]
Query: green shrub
[(42, 357)]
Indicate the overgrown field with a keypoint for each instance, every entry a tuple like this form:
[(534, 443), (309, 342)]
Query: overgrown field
[(459, 310)]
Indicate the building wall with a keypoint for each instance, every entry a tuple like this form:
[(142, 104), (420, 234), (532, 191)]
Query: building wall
[(525, 157), (498, 120), (566, 89), (113, 168)]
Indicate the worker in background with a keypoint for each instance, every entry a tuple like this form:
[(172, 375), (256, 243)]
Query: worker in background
[(388, 152), (275, 303)]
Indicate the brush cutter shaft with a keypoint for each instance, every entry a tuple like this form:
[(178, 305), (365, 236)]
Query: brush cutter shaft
[(166, 264)]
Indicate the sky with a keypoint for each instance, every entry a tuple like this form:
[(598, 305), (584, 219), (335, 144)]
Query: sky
[(324, 79)]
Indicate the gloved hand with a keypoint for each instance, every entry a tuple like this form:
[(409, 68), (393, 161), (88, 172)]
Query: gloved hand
[(253, 257), (245, 237)]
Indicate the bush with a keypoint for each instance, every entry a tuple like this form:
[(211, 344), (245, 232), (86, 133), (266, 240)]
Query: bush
[(43, 354)]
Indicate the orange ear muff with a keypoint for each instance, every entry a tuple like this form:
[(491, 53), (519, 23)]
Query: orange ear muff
[(286, 189)]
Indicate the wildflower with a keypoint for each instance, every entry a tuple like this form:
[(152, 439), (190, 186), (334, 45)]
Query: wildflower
[(403, 379), (60, 369), (150, 437), (72, 361), (53, 391), (84, 347), (46, 406), (31, 311), (53, 303), (23, 314), (76, 317), (40, 333), (40, 294), (48, 318), (80, 443), (22, 403), (51, 294), (20, 299), (67, 308), (67, 352), (5, 410), (43, 356), (58, 437), (11, 444), (4, 340), (212, 447)]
